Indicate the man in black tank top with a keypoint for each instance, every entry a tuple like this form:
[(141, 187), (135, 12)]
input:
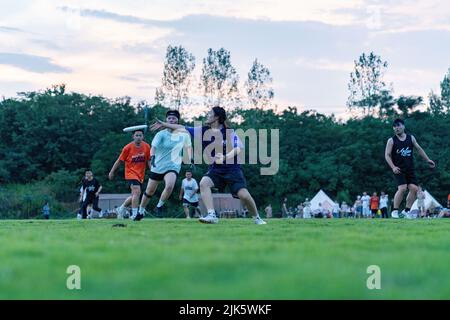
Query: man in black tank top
[(399, 156)]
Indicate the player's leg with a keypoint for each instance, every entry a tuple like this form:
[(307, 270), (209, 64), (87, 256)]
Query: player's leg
[(95, 204), (186, 209), (398, 198), (238, 188), (84, 207), (411, 197), (169, 183), (152, 185), (135, 196), (205, 190)]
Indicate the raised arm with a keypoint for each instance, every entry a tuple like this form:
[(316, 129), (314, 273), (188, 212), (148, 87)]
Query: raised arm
[(161, 125), (422, 153), (388, 156)]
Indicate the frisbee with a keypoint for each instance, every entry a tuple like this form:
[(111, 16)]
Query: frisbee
[(134, 128)]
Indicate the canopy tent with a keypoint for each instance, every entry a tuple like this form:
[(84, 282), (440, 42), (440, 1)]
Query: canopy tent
[(430, 202), (321, 197)]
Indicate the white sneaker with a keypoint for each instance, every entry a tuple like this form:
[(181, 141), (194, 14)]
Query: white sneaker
[(121, 211), (402, 214), (210, 218), (394, 214), (79, 216), (258, 220)]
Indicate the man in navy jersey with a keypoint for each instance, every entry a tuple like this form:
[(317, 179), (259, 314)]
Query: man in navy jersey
[(399, 156), (224, 169)]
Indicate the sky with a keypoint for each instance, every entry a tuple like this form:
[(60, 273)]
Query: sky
[(117, 48)]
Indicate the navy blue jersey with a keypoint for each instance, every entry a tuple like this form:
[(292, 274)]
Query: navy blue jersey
[(229, 140)]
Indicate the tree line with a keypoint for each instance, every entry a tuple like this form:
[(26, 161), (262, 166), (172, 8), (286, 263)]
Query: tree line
[(50, 137)]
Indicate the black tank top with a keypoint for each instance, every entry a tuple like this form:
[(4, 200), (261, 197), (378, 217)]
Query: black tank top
[(402, 153)]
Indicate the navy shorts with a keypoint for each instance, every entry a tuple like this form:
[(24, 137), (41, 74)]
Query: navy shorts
[(235, 180), (187, 203), (134, 183), (160, 176), (408, 177)]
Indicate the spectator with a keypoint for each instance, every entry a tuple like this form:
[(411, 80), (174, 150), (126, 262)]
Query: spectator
[(268, 211), (365, 205), (421, 201), (299, 211), (336, 211), (46, 210), (374, 204), (307, 209), (320, 212), (358, 207), (384, 204), (284, 209), (344, 209)]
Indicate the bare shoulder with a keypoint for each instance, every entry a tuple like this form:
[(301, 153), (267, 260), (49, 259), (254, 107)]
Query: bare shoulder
[(390, 141)]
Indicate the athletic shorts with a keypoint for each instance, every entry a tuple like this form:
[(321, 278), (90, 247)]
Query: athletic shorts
[(187, 203), (235, 180), (406, 178), (160, 176), (134, 182)]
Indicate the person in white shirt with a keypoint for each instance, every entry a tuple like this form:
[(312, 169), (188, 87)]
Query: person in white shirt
[(384, 205), (188, 193), (307, 209), (366, 205)]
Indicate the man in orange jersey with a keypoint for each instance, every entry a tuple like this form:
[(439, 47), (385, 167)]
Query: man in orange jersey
[(135, 155)]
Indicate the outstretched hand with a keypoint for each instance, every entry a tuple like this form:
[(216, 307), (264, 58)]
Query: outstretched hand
[(157, 125), (431, 164)]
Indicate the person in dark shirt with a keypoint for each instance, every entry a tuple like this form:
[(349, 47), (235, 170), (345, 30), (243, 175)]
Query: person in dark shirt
[(399, 156), (224, 169), (92, 188)]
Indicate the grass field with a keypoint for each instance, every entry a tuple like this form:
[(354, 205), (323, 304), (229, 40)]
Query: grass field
[(183, 259)]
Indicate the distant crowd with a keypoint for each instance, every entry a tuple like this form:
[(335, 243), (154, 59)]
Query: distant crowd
[(364, 206)]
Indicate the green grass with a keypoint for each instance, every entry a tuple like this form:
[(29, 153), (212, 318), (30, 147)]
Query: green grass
[(183, 259)]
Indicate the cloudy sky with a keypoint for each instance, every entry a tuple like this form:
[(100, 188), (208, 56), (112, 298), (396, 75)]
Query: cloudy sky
[(117, 48)]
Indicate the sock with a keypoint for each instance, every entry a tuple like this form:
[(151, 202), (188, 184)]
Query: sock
[(134, 211), (160, 203), (212, 212), (141, 209), (407, 209), (395, 209)]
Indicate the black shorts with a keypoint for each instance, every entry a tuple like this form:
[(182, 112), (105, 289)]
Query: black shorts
[(188, 203), (235, 180), (160, 176), (406, 178), (134, 182)]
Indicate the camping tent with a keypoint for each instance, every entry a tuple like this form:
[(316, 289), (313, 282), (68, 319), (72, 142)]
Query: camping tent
[(430, 202), (321, 197)]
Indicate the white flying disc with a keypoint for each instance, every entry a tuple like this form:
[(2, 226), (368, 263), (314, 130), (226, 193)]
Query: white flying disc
[(134, 128)]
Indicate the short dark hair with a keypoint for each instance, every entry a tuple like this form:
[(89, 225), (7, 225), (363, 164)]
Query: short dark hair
[(138, 130), (175, 113), (188, 170), (398, 121)]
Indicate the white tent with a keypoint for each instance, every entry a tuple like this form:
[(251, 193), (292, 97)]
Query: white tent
[(430, 202), (321, 197)]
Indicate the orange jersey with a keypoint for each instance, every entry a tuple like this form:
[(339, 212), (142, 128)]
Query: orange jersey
[(374, 201), (135, 159)]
